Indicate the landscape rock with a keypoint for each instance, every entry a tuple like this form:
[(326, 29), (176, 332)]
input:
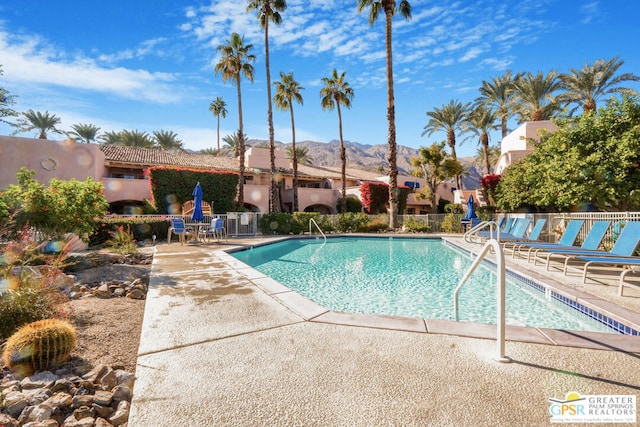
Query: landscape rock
[(90, 404)]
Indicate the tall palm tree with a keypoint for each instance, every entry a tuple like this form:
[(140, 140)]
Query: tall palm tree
[(288, 90), (498, 92), (450, 118), (302, 155), (535, 96), (35, 120), (480, 122), (84, 133), (168, 140), (388, 7), (219, 108), (269, 10), (235, 62), (337, 91), (585, 86)]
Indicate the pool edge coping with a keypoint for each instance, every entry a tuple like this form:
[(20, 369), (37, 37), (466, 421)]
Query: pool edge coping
[(313, 312)]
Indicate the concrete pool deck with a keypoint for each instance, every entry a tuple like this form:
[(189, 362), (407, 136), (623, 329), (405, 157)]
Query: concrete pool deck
[(223, 345)]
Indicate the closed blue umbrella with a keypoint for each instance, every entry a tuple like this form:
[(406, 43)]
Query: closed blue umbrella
[(471, 212), (197, 204)]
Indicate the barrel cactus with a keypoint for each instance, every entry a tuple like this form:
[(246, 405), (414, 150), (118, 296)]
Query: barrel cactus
[(39, 346)]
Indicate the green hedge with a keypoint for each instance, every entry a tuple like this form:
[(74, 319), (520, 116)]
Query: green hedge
[(172, 187), (141, 228)]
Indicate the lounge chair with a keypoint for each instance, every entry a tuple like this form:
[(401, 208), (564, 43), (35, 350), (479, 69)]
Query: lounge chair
[(621, 255), (511, 243), (178, 227), (591, 244), (622, 282), (566, 241), (517, 231)]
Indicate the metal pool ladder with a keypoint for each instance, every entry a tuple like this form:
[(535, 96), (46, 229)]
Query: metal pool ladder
[(313, 221), (500, 293)]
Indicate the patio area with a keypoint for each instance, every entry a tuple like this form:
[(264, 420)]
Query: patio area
[(223, 345)]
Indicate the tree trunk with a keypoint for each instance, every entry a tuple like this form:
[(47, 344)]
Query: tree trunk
[(240, 147), (343, 158), (391, 118), (451, 140), (274, 203), (218, 134), (484, 139), (294, 158)]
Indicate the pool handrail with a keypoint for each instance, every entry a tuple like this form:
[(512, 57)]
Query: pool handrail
[(493, 229), (500, 292), (311, 220)]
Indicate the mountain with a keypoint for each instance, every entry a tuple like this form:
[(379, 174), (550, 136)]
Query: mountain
[(370, 157)]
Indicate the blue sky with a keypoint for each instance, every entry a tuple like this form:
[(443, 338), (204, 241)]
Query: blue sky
[(148, 64)]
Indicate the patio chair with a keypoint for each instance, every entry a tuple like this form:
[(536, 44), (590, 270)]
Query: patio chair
[(591, 243), (620, 255), (566, 241), (178, 227), (217, 229)]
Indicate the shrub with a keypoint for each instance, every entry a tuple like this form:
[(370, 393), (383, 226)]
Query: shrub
[(377, 224), (485, 213), (276, 223), (353, 204), (352, 222), (122, 241), (415, 225), (454, 208), (451, 224), (27, 292)]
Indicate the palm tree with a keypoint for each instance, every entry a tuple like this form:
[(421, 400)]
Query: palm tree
[(234, 63), (35, 120), (136, 138), (232, 144), (84, 133), (168, 140), (219, 108), (6, 101), (111, 138), (494, 155), (480, 122), (499, 93), (337, 91), (288, 90), (585, 86), (535, 98), (269, 10), (450, 118), (389, 8), (302, 155)]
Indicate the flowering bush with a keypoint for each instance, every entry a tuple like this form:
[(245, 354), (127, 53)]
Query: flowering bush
[(122, 241), (489, 183)]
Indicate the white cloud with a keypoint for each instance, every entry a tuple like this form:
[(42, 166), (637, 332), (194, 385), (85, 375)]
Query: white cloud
[(30, 60)]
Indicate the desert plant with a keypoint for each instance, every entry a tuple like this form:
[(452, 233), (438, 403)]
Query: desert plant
[(378, 223), (122, 241), (39, 346)]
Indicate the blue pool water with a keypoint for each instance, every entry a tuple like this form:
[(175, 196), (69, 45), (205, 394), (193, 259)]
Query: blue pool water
[(405, 277)]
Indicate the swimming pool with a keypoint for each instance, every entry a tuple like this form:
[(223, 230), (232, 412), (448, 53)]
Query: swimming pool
[(407, 277)]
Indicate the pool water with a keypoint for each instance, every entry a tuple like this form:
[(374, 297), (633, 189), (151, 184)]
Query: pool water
[(405, 277)]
